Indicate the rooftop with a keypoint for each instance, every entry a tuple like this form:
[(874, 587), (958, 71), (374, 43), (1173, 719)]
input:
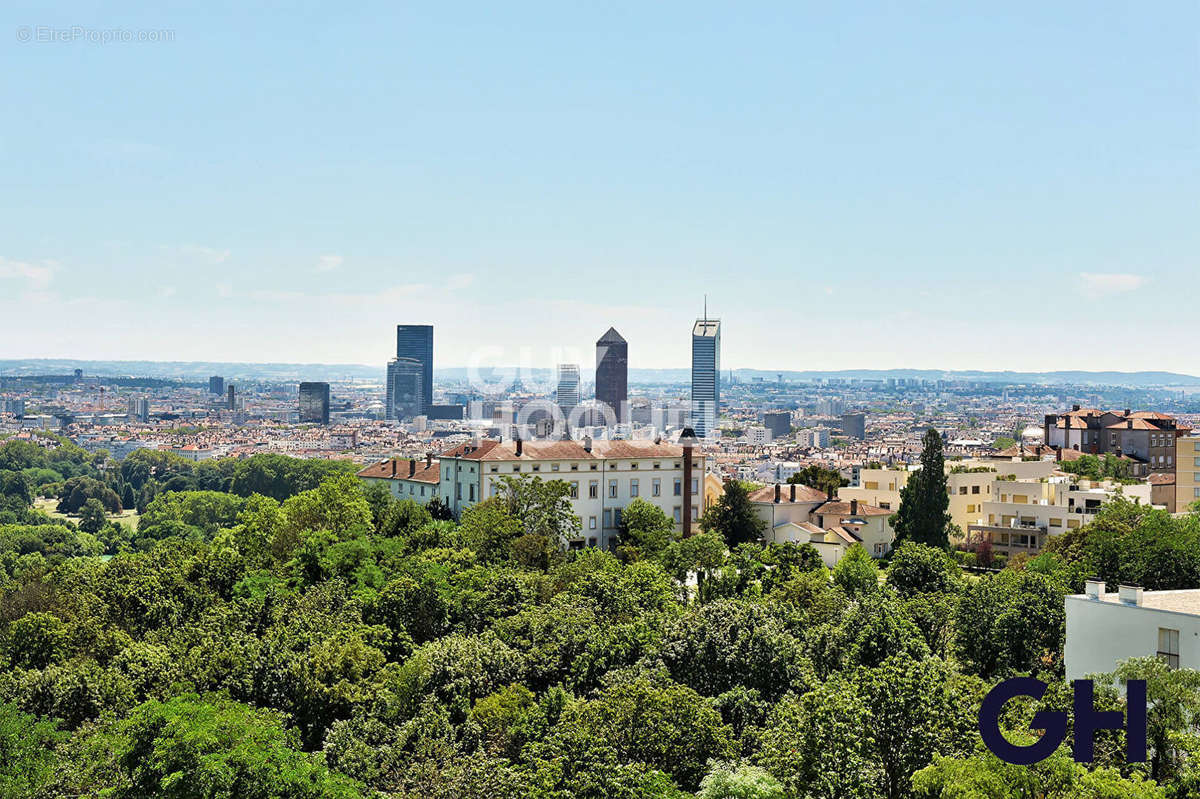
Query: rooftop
[(1181, 601)]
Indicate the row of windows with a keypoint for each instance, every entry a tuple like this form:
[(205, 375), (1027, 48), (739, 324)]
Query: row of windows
[(974, 489), (574, 467), (612, 517)]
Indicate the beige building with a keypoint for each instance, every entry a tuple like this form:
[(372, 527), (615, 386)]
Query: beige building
[(801, 515), (1187, 472)]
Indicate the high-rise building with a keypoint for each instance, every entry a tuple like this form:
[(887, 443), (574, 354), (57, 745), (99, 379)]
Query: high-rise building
[(231, 398), (15, 406), (139, 409), (612, 374), (405, 389), (854, 425), (568, 388), (216, 385), (778, 422), (416, 342), (706, 376), (314, 403)]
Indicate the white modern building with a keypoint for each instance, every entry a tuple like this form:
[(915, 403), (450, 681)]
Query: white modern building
[(1105, 628), (568, 388)]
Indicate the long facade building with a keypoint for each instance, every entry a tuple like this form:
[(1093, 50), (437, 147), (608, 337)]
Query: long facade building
[(603, 476)]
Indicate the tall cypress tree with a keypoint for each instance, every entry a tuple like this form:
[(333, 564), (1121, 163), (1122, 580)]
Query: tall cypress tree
[(924, 502)]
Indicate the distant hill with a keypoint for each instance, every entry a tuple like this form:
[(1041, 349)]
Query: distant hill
[(191, 371)]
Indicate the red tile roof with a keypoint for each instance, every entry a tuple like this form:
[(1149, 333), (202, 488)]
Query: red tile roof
[(803, 494), (383, 470)]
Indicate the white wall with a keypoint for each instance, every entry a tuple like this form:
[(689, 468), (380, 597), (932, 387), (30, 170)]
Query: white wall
[(1100, 634)]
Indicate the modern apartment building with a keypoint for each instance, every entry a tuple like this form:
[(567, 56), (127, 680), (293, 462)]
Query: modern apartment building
[(1022, 514), (314, 403), (216, 385), (1146, 437), (1105, 628), (1187, 472), (603, 476), (612, 375), (416, 342), (854, 425), (706, 377), (778, 422), (139, 410)]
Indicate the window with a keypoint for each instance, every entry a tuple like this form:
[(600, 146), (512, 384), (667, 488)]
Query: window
[(695, 486), (871, 485), (656, 487), (679, 514), (608, 518), (554, 467), (594, 467), (974, 489), (616, 517), (537, 467), (472, 492), (574, 467), (679, 487), (695, 513), (594, 489), (633, 488), (612, 489), (1168, 647), (962, 490), (574, 489), (633, 465), (657, 465), (591, 522), (495, 468), (458, 492), (1055, 522), (592, 541), (885, 505), (516, 467)]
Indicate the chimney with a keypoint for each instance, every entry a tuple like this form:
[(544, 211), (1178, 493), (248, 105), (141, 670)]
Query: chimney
[(1074, 407), (777, 491), (587, 443), (393, 467), (1094, 589), (412, 467), (520, 447), (793, 499), (1130, 595), (687, 440), (428, 459), (829, 492), (1126, 411), (854, 507), (1128, 424)]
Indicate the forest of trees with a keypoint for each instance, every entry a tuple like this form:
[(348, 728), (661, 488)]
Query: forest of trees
[(275, 629)]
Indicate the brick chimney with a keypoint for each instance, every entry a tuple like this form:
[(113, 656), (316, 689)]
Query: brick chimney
[(793, 492), (394, 464), (687, 440), (854, 507), (428, 459), (778, 489), (520, 447), (412, 467)]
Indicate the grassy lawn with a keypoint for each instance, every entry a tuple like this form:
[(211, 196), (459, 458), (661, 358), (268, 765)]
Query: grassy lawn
[(128, 517)]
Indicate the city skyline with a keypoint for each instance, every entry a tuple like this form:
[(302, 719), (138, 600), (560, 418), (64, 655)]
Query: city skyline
[(980, 216)]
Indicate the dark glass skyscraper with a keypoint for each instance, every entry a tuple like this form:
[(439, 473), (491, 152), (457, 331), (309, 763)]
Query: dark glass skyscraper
[(706, 376), (612, 373), (405, 397), (314, 403), (416, 342)]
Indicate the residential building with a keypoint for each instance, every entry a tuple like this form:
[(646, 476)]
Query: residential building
[(455, 413), (314, 403), (216, 385), (1187, 472), (15, 406), (612, 375), (231, 398), (405, 397), (405, 478), (758, 435), (415, 342), (567, 392), (830, 407), (1146, 437), (802, 515), (706, 377), (778, 422), (603, 476), (854, 425), (1106, 628), (1022, 514), (139, 410)]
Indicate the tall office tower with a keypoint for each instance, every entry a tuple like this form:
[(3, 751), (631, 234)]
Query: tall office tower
[(612, 374), (405, 389), (231, 399), (314, 403), (778, 422), (854, 425), (139, 409), (216, 385), (416, 342), (568, 388), (706, 376)]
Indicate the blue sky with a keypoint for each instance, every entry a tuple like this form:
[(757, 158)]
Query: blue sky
[(940, 185)]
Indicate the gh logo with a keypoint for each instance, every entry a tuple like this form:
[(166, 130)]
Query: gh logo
[(1054, 722)]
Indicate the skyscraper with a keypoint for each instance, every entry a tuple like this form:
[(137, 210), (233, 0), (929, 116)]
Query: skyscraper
[(139, 409), (854, 425), (216, 385), (405, 389), (416, 342), (231, 401), (314, 403), (612, 374), (568, 388), (706, 376)]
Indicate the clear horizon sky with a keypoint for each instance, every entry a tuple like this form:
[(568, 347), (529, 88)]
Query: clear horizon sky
[(925, 185)]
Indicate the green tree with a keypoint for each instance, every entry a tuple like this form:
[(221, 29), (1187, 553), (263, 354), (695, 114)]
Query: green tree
[(543, 507), (646, 528), (92, 516), (733, 517), (856, 572), (985, 776), (823, 479), (924, 502), (1011, 622), (27, 756), (739, 782), (1172, 716), (920, 569)]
